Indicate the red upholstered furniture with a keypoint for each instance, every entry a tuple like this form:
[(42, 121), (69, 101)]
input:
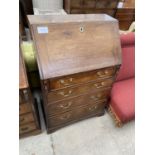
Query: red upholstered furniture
[(122, 102)]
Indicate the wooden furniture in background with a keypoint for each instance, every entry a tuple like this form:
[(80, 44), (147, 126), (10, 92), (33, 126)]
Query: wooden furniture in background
[(126, 14), (26, 8), (78, 58), (28, 114), (90, 6)]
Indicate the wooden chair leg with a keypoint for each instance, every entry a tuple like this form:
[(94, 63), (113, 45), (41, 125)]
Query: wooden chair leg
[(115, 117)]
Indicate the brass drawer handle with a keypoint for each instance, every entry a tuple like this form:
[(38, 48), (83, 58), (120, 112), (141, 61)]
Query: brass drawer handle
[(99, 85), (66, 82), (92, 108), (66, 105), (65, 95), (65, 117), (97, 97), (102, 73), (24, 129)]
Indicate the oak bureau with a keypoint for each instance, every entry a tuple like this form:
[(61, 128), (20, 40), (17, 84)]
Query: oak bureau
[(78, 57), (28, 115)]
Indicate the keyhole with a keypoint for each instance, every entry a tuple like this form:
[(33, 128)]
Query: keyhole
[(81, 29)]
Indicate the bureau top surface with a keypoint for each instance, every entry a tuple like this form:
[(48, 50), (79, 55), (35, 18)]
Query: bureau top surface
[(23, 83), (48, 19), (69, 44)]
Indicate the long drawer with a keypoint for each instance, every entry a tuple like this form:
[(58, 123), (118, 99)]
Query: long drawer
[(26, 118), (27, 128), (94, 3), (75, 91), (81, 78), (68, 104), (76, 114), (24, 108)]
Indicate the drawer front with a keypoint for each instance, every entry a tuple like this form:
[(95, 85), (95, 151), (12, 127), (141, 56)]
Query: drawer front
[(126, 10), (66, 105), (76, 3), (89, 3), (27, 128), (24, 108), (26, 118), (124, 25), (122, 16), (75, 91), (106, 4), (81, 78), (76, 114)]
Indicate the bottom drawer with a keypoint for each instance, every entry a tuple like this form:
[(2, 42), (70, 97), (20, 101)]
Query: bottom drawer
[(76, 114), (27, 118), (27, 128), (24, 108)]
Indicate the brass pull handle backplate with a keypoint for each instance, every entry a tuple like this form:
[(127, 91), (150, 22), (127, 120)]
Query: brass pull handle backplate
[(65, 95), (66, 105), (102, 73), (66, 82), (99, 85), (92, 108), (97, 97)]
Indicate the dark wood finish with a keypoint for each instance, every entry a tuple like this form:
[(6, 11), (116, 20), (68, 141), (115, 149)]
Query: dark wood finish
[(26, 8), (24, 108), (90, 6), (27, 128), (78, 90), (81, 78), (28, 118), (95, 30), (126, 14), (78, 58), (71, 103), (76, 113)]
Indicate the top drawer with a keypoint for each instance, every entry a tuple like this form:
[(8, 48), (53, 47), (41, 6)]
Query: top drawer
[(80, 78)]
